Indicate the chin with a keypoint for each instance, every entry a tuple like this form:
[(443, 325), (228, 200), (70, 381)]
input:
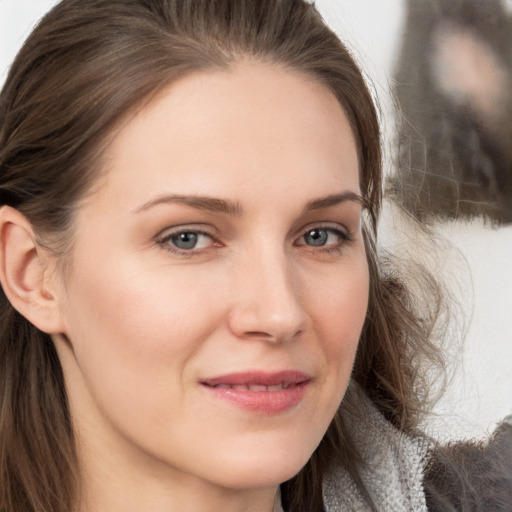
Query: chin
[(260, 476), (263, 467)]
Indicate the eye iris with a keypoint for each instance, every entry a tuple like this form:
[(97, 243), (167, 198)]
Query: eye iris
[(185, 240), (316, 237)]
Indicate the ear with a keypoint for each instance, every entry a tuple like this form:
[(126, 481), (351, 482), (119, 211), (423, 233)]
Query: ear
[(27, 272)]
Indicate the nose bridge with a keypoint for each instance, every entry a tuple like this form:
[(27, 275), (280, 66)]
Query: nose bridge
[(268, 301)]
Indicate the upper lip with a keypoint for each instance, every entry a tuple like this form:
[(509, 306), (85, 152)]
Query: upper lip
[(258, 378)]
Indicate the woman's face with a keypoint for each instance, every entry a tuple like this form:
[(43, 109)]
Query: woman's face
[(218, 281)]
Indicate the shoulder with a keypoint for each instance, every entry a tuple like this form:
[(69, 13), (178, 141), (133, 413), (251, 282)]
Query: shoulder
[(472, 475)]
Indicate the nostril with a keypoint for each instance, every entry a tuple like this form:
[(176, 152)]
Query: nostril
[(259, 334), (273, 337)]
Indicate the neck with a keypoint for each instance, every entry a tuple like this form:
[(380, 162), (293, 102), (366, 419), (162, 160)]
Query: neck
[(165, 498)]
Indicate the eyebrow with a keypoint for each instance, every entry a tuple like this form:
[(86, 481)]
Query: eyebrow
[(210, 204), (213, 204), (334, 200)]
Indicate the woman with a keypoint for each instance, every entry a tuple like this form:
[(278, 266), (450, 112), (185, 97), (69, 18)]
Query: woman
[(190, 196)]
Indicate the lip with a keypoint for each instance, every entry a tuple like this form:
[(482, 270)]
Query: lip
[(260, 392)]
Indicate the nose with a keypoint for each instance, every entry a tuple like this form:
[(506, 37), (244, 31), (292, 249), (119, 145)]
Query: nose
[(267, 303)]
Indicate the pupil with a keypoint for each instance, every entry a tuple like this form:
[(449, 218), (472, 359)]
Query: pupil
[(316, 237), (185, 240)]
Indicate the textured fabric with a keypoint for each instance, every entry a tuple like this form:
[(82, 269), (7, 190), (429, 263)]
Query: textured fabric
[(393, 467)]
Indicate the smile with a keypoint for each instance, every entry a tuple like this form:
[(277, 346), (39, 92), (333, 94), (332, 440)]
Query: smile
[(260, 392), (254, 387)]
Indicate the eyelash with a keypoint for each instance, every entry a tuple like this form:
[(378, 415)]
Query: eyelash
[(345, 238), (165, 241)]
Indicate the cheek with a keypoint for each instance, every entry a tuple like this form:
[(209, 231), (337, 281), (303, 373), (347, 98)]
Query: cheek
[(342, 304), (339, 318), (141, 310), (133, 334)]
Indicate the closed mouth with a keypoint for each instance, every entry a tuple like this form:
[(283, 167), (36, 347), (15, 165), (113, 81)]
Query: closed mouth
[(255, 387), (258, 381), (259, 392)]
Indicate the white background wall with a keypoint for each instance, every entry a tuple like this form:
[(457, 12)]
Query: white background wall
[(476, 258)]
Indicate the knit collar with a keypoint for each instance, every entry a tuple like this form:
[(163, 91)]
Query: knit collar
[(393, 468)]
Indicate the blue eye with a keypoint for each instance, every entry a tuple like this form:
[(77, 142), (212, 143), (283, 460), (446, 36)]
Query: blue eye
[(317, 237), (325, 239), (187, 241)]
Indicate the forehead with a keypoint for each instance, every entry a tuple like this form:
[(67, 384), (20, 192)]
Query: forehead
[(216, 131)]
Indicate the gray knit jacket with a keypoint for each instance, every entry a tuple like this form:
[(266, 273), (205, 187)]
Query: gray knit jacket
[(395, 467)]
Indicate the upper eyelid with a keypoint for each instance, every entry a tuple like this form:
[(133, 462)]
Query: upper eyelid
[(187, 228), (345, 235), (212, 231), (214, 234), (327, 225)]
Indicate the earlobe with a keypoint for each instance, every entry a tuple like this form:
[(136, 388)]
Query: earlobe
[(24, 272)]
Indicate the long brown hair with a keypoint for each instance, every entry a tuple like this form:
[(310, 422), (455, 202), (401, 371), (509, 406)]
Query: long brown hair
[(87, 64)]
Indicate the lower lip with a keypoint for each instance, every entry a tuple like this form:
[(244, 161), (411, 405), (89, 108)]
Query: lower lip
[(262, 402)]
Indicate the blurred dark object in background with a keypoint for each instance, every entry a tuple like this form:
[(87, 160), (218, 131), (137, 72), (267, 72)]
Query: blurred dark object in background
[(470, 472), (454, 93)]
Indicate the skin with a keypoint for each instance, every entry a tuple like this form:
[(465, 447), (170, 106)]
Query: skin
[(143, 323)]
